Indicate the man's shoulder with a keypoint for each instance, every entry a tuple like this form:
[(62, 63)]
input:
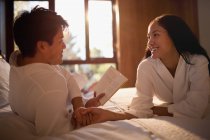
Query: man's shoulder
[(48, 77)]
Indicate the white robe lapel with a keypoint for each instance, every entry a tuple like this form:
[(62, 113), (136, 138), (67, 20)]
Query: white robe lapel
[(166, 76), (180, 85), (163, 82)]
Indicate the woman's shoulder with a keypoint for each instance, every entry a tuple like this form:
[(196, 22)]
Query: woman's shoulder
[(198, 59), (148, 64)]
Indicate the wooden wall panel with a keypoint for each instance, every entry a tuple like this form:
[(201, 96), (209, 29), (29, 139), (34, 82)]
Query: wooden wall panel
[(135, 16)]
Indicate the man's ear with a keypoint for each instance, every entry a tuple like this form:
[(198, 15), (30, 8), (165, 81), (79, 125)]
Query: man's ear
[(42, 46)]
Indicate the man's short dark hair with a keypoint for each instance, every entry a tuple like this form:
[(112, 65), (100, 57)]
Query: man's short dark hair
[(38, 25)]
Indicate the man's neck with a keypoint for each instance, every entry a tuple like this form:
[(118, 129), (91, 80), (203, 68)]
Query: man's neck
[(22, 61)]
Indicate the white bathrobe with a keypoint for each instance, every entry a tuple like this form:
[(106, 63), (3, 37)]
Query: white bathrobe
[(186, 93)]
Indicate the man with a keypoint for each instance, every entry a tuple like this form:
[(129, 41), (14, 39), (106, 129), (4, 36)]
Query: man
[(39, 88)]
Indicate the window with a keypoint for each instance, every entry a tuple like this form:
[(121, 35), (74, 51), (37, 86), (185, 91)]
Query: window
[(90, 39), (28, 5)]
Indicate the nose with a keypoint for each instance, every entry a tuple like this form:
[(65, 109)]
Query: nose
[(150, 42), (64, 45)]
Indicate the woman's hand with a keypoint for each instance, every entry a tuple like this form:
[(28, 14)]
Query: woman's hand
[(95, 101), (99, 115)]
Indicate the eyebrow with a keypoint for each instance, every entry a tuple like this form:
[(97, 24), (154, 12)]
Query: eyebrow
[(156, 31), (153, 32)]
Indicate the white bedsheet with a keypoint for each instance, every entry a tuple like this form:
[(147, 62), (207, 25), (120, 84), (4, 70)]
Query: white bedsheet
[(171, 128), (13, 127), (116, 130), (155, 128)]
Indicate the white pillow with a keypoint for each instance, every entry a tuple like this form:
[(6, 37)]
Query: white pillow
[(4, 82)]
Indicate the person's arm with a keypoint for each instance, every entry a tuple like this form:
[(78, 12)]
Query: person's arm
[(84, 119), (77, 102), (161, 111), (142, 104), (102, 115), (51, 116), (76, 117), (74, 91)]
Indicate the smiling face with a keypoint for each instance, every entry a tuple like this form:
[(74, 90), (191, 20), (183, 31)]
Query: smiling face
[(159, 42), (55, 50)]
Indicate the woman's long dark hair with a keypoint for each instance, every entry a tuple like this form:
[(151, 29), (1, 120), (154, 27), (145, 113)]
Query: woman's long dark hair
[(182, 36)]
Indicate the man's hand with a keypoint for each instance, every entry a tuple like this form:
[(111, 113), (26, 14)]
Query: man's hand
[(95, 101)]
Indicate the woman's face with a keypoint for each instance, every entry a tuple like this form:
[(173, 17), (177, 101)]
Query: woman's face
[(159, 42)]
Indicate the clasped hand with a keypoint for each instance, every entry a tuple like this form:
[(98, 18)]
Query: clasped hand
[(80, 117)]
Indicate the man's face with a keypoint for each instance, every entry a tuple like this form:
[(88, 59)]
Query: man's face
[(55, 51)]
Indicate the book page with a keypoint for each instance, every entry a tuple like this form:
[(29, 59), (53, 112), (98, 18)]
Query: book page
[(110, 82)]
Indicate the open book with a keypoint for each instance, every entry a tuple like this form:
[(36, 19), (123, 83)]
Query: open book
[(109, 83)]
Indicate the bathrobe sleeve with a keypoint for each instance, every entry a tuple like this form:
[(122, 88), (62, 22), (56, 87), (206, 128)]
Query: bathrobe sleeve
[(73, 87), (51, 117), (141, 104), (50, 113), (196, 100)]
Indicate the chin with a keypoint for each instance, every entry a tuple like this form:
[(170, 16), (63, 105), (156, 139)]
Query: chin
[(61, 61), (154, 57)]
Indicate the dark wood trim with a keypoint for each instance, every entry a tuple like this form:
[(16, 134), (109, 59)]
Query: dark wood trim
[(87, 31), (9, 24), (114, 31), (51, 4), (90, 61)]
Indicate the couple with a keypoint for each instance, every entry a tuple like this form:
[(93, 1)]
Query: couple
[(175, 69)]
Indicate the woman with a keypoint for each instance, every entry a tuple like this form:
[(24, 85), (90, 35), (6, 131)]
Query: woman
[(175, 69)]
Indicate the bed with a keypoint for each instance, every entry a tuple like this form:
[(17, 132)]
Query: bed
[(13, 127)]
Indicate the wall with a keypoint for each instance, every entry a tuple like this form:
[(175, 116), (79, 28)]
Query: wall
[(204, 23)]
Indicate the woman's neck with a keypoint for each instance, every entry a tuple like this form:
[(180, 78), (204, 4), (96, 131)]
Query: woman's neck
[(171, 63)]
